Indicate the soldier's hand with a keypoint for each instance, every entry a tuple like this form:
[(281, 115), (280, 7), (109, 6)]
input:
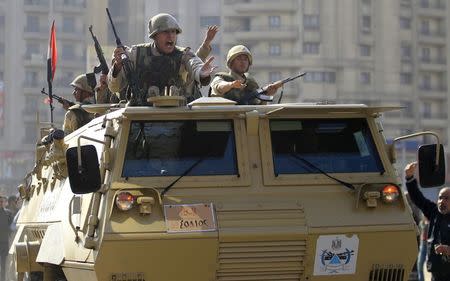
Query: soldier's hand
[(207, 68), (210, 34), (272, 88), (65, 104), (118, 52), (103, 82), (237, 84), (410, 169)]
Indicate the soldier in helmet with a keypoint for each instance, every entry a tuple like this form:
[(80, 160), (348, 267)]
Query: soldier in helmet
[(237, 83), (76, 116), (160, 64)]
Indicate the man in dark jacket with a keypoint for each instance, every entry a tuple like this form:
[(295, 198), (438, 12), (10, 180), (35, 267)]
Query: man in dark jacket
[(438, 250), (5, 221)]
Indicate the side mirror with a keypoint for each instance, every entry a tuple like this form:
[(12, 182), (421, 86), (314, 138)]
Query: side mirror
[(85, 178), (431, 175)]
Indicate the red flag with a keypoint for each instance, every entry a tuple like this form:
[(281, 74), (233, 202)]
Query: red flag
[(52, 54)]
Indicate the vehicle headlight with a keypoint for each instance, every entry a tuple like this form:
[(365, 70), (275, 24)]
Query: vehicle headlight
[(125, 201), (390, 193)]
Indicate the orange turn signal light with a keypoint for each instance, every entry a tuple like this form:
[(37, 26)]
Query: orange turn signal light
[(390, 193)]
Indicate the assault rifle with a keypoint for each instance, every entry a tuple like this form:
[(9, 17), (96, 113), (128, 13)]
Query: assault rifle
[(137, 96), (103, 66), (58, 98), (261, 92)]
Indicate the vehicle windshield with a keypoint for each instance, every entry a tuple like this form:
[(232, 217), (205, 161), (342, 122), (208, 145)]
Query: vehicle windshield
[(333, 146), (169, 148)]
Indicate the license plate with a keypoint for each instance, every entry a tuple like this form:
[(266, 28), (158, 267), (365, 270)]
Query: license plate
[(190, 218)]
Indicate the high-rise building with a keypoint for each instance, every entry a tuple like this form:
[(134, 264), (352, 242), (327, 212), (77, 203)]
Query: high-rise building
[(379, 52), (24, 38)]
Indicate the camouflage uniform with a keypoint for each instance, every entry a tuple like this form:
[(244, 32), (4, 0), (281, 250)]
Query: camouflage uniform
[(76, 116), (235, 94), (220, 77), (192, 91), (155, 69)]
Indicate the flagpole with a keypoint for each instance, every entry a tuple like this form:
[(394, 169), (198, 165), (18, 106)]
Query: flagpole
[(51, 67)]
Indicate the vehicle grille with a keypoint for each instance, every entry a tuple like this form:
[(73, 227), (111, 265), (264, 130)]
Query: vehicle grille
[(257, 245), (262, 260), (388, 272)]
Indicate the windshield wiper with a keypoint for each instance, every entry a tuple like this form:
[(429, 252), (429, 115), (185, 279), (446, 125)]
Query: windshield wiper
[(311, 165), (188, 170)]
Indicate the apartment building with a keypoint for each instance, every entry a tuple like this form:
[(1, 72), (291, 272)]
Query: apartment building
[(377, 52), (24, 36)]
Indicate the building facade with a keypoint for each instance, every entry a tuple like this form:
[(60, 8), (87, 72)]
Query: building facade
[(376, 52)]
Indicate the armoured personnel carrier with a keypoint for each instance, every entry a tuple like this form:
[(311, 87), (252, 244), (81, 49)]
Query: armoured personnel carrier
[(217, 191)]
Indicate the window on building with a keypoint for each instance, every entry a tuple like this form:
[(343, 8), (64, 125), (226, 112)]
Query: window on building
[(2, 48), (31, 78), (405, 23), (31, 104), (1, 76), (425, 82), (424, 3), (367, 2), (425, 54), (366, 24), (68, 24), (274, 21), (274, 76), (365, 50), (2, 20), (320, 77), (32, 23), (209, 20), (405, 3), (311, 22), (425, 27), (30, 133), (364, 78), (32, 49), (405, 51), (311, 48), (426, 109), (274, 49), (68, 52), (405, 78)]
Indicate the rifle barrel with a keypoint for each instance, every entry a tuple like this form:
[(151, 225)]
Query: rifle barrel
[(118, 42)]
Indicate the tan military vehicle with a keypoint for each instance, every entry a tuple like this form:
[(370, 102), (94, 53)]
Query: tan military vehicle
[(217, 191)]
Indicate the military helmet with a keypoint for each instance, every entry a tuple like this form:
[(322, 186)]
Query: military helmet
[(81, 82), (236, 51), (162, 22)]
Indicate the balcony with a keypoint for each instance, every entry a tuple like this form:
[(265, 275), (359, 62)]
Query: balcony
[(264, 60), (259, 6), (36, 6), (435, 92), (431, 9), (432, 37), (433, 64), (34, 60), (35, 32), (256, 33), (434, 119), (70, 6)]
